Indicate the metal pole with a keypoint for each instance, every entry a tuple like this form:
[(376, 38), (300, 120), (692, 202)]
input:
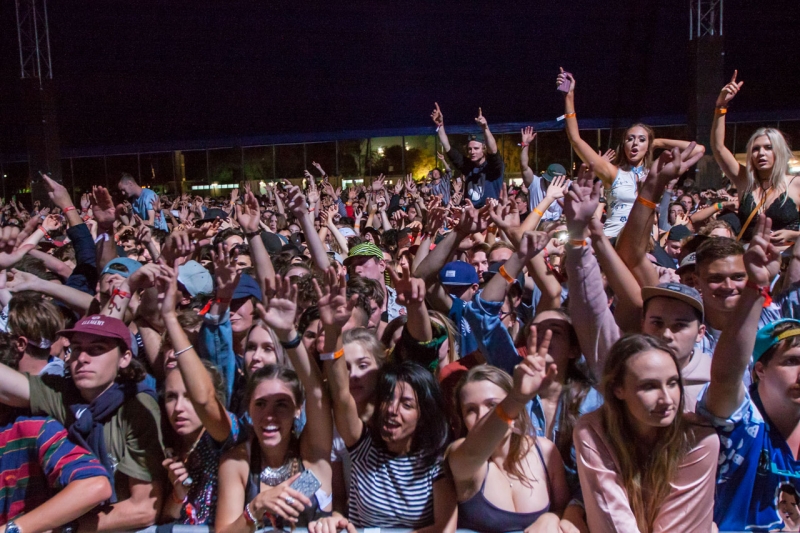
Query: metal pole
[(36, 40), (47, 37), (274, 173), (403, 156), (21, 58), (336, 144)]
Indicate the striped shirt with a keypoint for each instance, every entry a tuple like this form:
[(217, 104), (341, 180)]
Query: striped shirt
[(387, 490), (36, 461)]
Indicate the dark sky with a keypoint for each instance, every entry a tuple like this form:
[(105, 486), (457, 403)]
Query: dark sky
[(160, 70)]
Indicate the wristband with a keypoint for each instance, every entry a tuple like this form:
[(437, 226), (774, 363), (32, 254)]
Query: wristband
[(310, 209), (719, 206), (101, 237), (492, 230), (577, 243), (502, 415), (764, 291), (41, 228), (331, 356), (570, 115), (720, 110), (68, 209), (649, 204), (506, 276), (248, 516), (523, 144), (176, 500), (292, 344), (121, 294), (538, 211)]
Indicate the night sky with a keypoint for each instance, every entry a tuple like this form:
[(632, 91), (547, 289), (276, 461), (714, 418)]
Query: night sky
[(149, 71)]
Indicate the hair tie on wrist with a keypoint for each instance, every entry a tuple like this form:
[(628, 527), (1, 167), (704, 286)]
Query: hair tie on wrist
[(292, 344)]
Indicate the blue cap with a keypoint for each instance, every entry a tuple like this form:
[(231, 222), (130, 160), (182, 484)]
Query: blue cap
[(124, 266), (458, 273), (195, 278), (247, 287), (766, 337)]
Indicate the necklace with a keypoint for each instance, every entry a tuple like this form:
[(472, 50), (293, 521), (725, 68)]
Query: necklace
[(511, 485), (275, 476)]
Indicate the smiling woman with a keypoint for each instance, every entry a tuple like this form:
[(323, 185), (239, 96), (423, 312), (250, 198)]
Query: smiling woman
[(643, 464)]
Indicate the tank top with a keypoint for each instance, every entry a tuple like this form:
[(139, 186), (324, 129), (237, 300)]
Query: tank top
[(479, 514), (782, 211), (620, 198), (253, 487)]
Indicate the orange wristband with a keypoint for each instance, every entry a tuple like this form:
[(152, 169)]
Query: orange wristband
[(720, 110), (578, 243), (570, 115), (645, 202), (538, 211), (502, 415), (506, 276)]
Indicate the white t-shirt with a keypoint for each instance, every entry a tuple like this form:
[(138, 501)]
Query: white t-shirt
[(620, 197), (536, 195)]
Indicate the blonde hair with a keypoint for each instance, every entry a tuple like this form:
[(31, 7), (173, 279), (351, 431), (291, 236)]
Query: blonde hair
[(783, 154)]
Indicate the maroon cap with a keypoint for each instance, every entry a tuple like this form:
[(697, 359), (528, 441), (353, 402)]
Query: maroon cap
[(102, 326)]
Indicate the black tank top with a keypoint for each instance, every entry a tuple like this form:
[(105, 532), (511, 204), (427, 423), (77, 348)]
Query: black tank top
[(782, 211), (479, 514)]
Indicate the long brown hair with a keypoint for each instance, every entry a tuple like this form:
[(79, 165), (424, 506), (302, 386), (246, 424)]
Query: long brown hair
[(520, 440), (621, 158), (646, 471)]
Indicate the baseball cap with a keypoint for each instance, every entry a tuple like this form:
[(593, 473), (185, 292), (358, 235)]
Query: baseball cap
[(101, 326), (247, 287), (687, 262), (766, 337), (554, 170), (678, 233), (458, 273), (364, 249), (678, 291), (272, 242), (213, 214), (195, 278), (124, 266), (347, 231), (476, 137)]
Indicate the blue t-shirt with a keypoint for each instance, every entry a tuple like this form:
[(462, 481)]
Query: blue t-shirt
[(754, 463), (468, 344), (144, 203)]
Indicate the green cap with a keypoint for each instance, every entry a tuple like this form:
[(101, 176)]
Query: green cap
[(364, 249)]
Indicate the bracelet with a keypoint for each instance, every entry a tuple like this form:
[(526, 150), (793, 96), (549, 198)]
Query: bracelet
[(253, 234), (492, 230), (331, 356), (538, 211), (310, 209), (179, 352), (719, 206), (176, 500), (292, 344), (649, 204), (121, 294), (41, 228), (523, 144), (68, 209), (720, 110), (764, 291), (248, 516), (577, 243), (570, 115), (502, 415), (506, 276)]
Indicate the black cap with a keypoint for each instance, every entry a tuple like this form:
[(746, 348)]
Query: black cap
[(678, 233)]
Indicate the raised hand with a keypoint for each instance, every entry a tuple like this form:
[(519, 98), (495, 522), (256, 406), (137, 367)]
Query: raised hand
[(296, 202), (437, 116), (410, 290), (580, 203), (672, 164), (531, 243), (51, 223), (378, 183), (609, 155), (473, 220), (103, 208), (528, 135), (85, 201), (436, 219), (313, 193), (481, 120), (334, 307), (762, 259), (280, 305), (440, 157), (730, 90), (535, 368), (565, 76), (505, 215), (57, 192), (248, 214), (557, 187), (146, 276), (398, 187), (226, 276)]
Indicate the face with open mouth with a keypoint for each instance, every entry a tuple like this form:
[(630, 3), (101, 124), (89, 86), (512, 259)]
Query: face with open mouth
[(762, 154), (636, 145), (273, 410), (399, 417)]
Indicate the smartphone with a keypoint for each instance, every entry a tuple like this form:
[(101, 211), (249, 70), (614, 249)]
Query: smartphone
[(566, 85), (561, 237), (307, 484)]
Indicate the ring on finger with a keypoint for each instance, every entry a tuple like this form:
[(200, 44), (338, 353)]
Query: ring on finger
[(289, 500)]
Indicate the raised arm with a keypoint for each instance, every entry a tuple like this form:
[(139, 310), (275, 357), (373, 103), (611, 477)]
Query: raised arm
[(605, 170), (248, 215), (76, 300), (528, 135), (278, 312), (735, 171), (735, 347), (334, 312), (669, 144), (491, 143), (299, 208), (438, 119), (411, 294)]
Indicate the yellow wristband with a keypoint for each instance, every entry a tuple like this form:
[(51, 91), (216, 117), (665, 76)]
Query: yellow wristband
[(538, 211)]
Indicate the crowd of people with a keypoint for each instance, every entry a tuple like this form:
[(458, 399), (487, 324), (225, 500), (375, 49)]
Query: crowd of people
[(611, 351)]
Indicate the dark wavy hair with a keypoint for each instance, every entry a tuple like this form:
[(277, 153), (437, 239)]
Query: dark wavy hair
[(432, 434)]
